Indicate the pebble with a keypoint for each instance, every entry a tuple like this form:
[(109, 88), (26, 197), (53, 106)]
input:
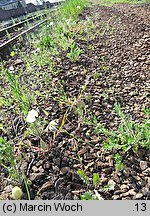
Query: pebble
[(97, 113), (147, 180), (138, 196), (36, 176), (125, 194), (116, 178), (111, 184), (126, 198), (145, 191), (110, 160), (146, 171), (107, 170), (35, 169), (46, 186), (115, 197), (124, 188), (39, 163), (132, 192), (18, 62), (126, 173), (47, 165), (41, 169), (8, 188), (65, 170), (117, 192), (143, 165)]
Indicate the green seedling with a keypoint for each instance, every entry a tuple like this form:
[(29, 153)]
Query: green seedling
[(74, 52), (6, 152), (19, 95), (96, 180), (83, 176), (118, 162)]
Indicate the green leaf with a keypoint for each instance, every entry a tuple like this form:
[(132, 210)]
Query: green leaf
[(96, 179), (86, 196)]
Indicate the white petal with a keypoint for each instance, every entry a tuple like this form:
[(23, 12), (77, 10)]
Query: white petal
[(31, 117), (52, 126), (33, 113)]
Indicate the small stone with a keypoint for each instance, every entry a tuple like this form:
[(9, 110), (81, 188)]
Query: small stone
[(101, 164), (94, 139), (125, 194), (8, 188), (115, 197), (137, 45), (145, 36), (46, 186), (89, 156), (47, 165), (146, 171), (116, 178), (126, 198), (18, 62), (124, 188), (126, 173), (35, 169), (117, 192), (133, 186), (89, 165), (39, 163), (37, 176), (41, 170), (133, 173), (110, 160), (83, 150), (132, 192), (145, 191), (138, 196), (65, 170), (107, 170), (143, 165), (142, 58), (97, 113), (111, 184), (104, 180), (147, 180)]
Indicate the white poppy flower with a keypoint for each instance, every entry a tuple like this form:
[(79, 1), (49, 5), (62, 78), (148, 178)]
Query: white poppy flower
[(52, 126), (51, 23), (78, 7), (31, 117)]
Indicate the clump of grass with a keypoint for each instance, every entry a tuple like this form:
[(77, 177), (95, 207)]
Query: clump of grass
[(72, 8), (57, 35), (18, 93), (74, 52), (130, 134), (7, 159)]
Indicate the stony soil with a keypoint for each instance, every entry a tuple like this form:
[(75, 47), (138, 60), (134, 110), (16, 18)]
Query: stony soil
[(117, 63)]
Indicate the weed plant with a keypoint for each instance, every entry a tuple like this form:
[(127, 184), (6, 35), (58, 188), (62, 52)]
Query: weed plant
[(19, 95), (129, 135), (7, 159), (74, 52)]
